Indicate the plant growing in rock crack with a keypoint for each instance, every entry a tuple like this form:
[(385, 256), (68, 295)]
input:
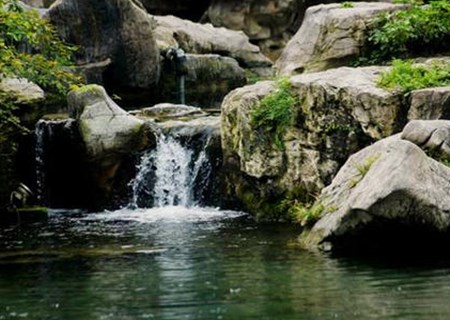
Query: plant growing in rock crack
[(302, 207), (362, 170), (406, 76), (347, 4), (420, 29), (275, 112)]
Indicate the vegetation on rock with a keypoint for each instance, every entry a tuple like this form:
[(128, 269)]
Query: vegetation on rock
[(421, 29), (30, 48), (406, 76), (275, 112)]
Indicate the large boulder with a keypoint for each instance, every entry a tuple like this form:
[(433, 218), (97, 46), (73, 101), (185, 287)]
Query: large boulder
[(330, 36), (110, 136), (19, 102), (429, 103), (207, 79), (338, 112), (204, 39), (107, 131), (388, 195), (270, 24), (21, 91), (116, 32)]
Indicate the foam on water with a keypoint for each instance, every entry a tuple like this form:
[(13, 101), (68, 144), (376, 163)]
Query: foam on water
[(170, 214)]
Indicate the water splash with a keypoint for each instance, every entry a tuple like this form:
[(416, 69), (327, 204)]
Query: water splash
[(176, 170)]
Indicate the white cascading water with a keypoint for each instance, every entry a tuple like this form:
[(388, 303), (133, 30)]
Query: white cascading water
[(176, 169), (39, 157)]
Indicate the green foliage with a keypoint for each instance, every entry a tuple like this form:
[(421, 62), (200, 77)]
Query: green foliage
[(347, 4), (362, 169), (419, 29), (275, 112), (406, 76), (300, 206), (30, 48)]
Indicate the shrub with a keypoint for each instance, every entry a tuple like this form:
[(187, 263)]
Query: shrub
[(30, 48), (275, 112), (406, 76), (420, 29)]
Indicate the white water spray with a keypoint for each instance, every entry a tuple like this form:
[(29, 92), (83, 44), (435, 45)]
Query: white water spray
[(176, 169)]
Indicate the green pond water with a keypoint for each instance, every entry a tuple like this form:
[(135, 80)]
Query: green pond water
[(177, 263)]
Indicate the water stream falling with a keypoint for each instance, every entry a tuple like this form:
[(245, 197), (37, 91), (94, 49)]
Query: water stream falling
[(170, 173), (39, 157)]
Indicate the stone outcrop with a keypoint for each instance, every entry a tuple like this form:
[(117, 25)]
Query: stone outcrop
[(207, 79), (270, 24), (109, 135), (430, 103), (20, 101), (390, 194), (205, 39), (330, 36), (107, 131), (433, 136), (116, 31), (21, 91), (338, 112)]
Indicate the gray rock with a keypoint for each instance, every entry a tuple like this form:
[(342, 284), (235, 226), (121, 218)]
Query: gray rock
[(391, 183), (430, 103), (267, 23), (22, 90), (108, 132), (433, 136), (120, 30), (208, 78), (329, 37), (338, 112), (204, 38), (163, 111)]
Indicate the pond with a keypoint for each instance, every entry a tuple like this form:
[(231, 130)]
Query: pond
[(199, 263)]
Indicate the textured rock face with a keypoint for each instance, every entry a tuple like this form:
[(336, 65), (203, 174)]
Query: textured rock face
[(204, 39), (432, 103), (116, 30), (330, 36), (110, 137), (400, 188), (21, 90), (339, 112), (268, 23), (429, 135), (208, 78), (107, 131)]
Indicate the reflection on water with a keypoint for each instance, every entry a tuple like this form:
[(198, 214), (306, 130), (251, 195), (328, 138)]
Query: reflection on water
[(177, 263)]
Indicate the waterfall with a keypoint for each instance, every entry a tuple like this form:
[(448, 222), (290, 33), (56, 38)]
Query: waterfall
[(39, 158), (170, 174), (46, 133)]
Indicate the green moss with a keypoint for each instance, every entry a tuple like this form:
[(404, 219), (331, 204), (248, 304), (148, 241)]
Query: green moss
[(406, 76), (347, 4), (275, 112)]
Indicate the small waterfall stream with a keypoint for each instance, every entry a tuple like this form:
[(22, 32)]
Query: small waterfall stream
[(170, 174)]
